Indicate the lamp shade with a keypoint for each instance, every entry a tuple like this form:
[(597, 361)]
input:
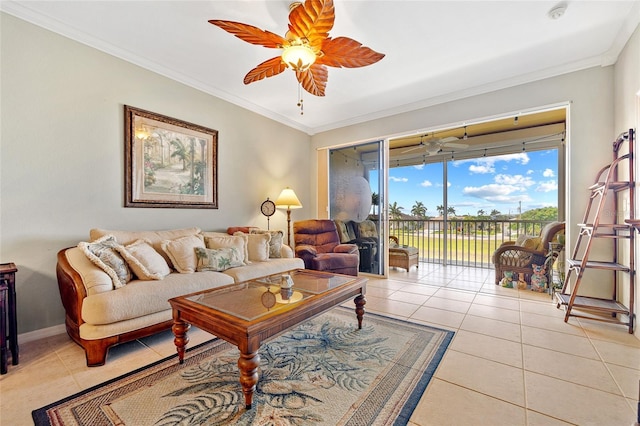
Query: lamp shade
[(288, 200)]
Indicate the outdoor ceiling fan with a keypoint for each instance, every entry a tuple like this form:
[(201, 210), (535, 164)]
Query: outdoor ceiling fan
[(436, 145)]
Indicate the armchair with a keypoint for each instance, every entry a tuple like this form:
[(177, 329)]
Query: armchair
[(349, 233), (318, 245), (519, 256)]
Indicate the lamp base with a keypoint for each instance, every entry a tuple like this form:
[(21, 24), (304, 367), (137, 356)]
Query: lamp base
[(289, 227)]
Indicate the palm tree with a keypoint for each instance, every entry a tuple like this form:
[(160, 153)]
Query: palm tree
[(375, 201), (181, 152), (451, 211), (419, 210), (481, 213), (395, 210), (440, 209)]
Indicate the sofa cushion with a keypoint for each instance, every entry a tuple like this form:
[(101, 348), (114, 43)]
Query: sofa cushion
[(263, 269), (102, 252), (275, 244), (257, 246), (182, 253), (145, 262), (214, 240), (140, 298), (154, 237), (218, 259)]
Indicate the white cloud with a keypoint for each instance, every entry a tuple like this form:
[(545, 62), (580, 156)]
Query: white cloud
[(426, 184), (482, 168), (521, 158), (419, 166), (548, 186), (530, 172), (548, 173), (488, 164), (398, 179), (517, 180), (497, 193)]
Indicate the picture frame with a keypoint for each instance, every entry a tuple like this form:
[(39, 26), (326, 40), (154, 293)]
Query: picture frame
[(169, 163)]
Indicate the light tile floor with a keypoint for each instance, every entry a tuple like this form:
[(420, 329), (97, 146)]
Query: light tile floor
[(513, 360)]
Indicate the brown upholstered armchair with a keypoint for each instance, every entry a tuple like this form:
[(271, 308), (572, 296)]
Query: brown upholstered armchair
[(318, 245), (519, 256)]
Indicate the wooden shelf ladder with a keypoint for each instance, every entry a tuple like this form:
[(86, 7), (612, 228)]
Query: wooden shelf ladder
[(600, 223)]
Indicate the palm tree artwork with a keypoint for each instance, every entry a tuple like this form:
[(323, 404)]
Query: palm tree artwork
[(174, 163)]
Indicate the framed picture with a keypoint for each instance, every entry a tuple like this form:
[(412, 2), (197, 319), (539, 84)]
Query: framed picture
[(169, 162)]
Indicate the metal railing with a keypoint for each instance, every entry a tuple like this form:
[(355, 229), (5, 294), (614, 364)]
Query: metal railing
[(464, 242)]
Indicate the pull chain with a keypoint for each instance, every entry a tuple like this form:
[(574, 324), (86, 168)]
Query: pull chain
[(299, 104)]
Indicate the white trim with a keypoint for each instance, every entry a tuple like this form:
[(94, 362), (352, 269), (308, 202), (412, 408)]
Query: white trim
[(43, 333)]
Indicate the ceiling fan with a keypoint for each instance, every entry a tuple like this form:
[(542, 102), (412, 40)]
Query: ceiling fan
[(435, 145), (307, 47)]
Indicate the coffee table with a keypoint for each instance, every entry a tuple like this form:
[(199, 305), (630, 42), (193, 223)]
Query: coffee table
[(248, 313)]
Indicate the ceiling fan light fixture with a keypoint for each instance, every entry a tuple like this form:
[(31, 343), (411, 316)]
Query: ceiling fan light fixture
[(433, 148), (299, 57)]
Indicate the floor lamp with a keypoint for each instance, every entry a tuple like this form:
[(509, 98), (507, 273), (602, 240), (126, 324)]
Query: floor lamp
[(288, 200)]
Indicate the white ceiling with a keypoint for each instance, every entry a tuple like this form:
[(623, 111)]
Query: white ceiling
[(435, 50)]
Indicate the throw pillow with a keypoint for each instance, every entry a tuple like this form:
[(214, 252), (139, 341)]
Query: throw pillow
[(218, 259), (257, 246), (144, 261), (182, 253), (229, 241), (102, 252), (528, 241), (275, 244)]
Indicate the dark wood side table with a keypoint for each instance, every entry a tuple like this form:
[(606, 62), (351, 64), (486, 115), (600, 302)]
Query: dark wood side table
[(8, 310)]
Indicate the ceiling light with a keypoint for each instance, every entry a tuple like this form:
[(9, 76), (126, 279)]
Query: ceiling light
[(557, 11), (299, 57), (465, 137)]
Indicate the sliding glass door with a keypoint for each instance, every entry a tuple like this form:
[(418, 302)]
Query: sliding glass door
[(356, 200)]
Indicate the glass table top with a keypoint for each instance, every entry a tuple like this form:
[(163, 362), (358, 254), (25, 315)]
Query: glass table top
[(253, 299)]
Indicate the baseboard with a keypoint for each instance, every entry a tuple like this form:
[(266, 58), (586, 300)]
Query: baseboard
[(43, 333)]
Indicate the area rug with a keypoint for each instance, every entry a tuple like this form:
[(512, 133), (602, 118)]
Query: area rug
[(324, 372)]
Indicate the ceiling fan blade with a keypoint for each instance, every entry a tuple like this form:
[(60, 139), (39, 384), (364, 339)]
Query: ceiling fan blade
[(269, 68), (345, 52), (413, 148), (251, 34), (455, 145), (448, 139), (312, 21), (314, 79)]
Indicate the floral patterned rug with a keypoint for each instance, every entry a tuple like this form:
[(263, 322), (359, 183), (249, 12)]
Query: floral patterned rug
[(324, 372)]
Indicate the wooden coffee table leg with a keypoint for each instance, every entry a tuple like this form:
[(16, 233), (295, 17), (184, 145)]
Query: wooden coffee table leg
[(360, 301), (248, 364), (180, 329)]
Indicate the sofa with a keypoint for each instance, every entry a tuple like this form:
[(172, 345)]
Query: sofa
[(116, 286)]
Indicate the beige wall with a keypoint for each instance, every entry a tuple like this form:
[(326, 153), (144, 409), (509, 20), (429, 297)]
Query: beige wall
[(626, 109), (61, 157)]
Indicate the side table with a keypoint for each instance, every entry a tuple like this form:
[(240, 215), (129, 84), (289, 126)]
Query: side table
[(8, 310), (366, 255)]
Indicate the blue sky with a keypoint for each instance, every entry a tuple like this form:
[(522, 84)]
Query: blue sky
[(500, 182)]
